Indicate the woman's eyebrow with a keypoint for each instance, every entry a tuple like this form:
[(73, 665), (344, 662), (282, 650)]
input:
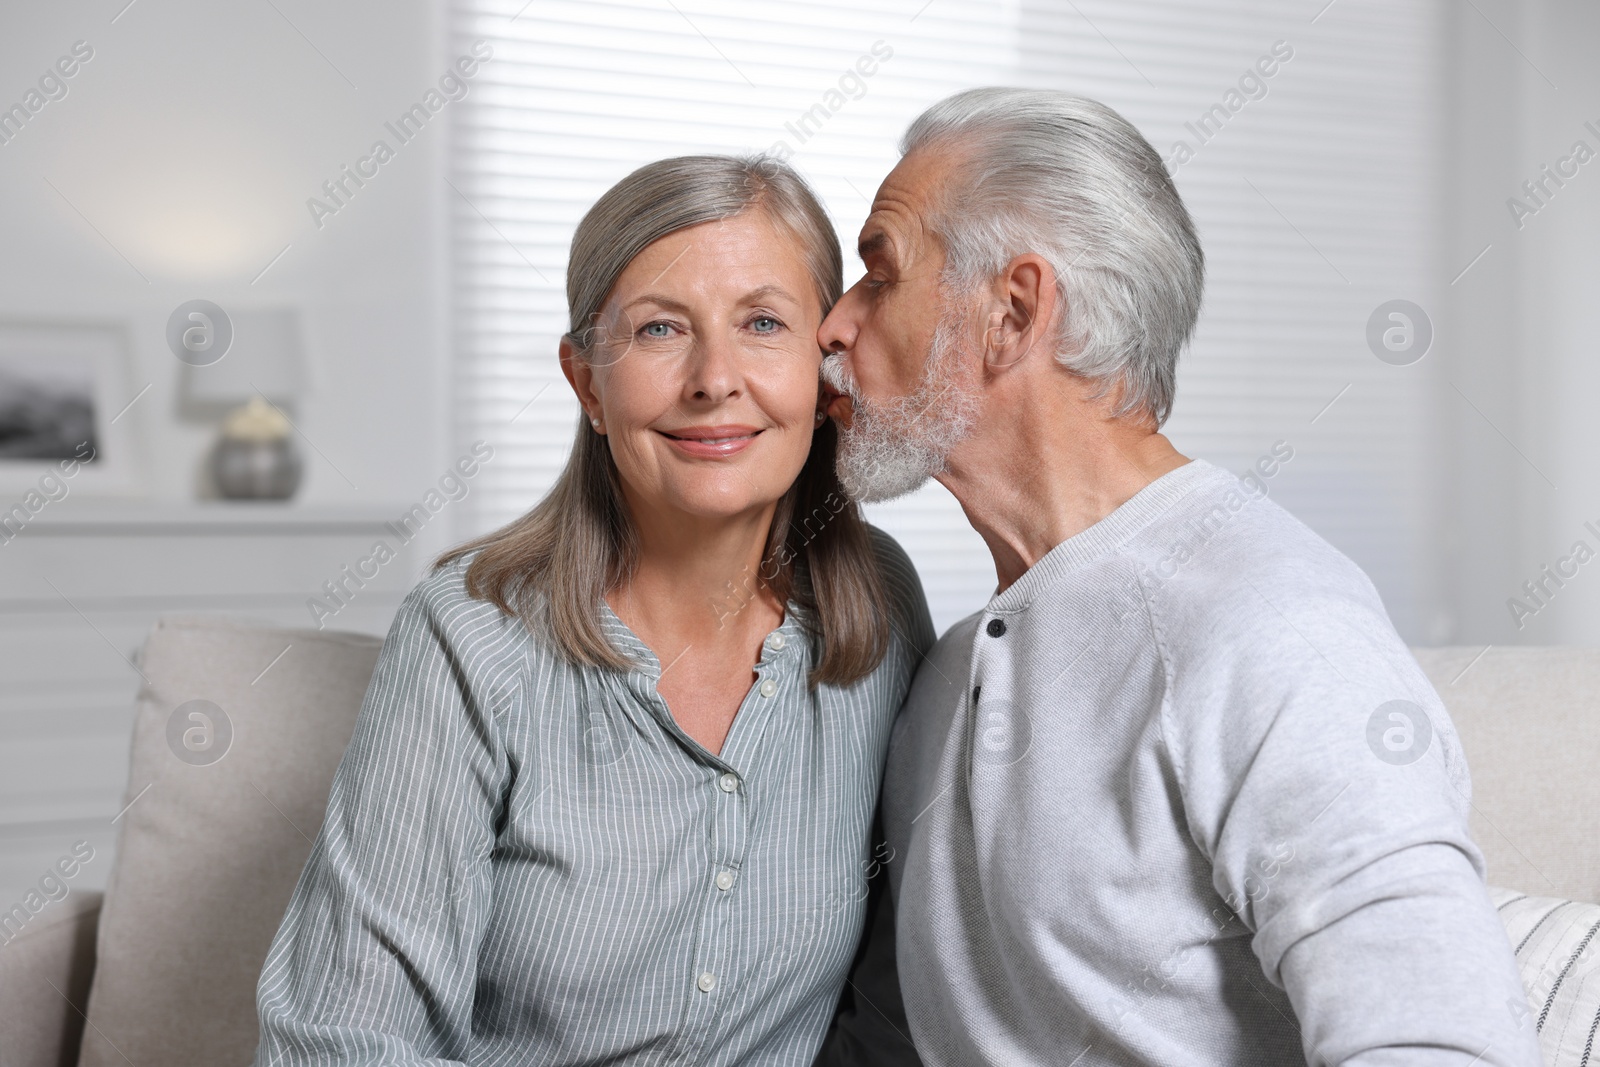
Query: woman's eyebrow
[(759, 293), (754, 296), (660, 301)]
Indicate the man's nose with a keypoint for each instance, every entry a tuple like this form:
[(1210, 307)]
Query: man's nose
[(838, 331)]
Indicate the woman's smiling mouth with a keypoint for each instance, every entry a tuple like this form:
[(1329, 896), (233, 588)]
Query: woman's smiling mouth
[(711, 442)]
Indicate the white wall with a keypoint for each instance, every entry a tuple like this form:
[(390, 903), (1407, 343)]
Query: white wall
[(187, 147), (190, 142), (1520, 340)]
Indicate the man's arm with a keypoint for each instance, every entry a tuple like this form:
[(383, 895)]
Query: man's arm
[(1323, 777)]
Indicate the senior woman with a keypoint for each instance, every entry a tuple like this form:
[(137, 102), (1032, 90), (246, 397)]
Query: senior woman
[(610, 795)]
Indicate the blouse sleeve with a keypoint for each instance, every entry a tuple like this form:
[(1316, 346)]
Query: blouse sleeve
[(375, 961)]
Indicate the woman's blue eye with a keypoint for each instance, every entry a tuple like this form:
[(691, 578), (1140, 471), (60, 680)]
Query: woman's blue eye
[(651, 330), (771, 324)]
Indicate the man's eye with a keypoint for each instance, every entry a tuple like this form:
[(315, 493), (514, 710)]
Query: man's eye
[(765, 324), (656, 329)]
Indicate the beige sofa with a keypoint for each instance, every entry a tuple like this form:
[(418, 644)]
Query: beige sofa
[(164, 971)]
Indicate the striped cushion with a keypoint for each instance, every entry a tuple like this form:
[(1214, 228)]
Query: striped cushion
[(1558, 953)]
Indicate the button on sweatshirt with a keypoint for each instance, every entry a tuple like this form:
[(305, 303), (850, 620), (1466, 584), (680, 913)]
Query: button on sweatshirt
[(1179, 796)]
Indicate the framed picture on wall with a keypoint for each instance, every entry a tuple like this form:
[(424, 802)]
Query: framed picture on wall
[(64, 412)]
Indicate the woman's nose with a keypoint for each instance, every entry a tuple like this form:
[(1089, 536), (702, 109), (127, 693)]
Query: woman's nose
[(713, 370)]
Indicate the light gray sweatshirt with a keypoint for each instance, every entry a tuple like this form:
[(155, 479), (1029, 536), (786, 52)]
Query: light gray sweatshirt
[(1181, 796)]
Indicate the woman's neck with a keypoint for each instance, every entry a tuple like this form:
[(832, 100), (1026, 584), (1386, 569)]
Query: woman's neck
[(696, 580)]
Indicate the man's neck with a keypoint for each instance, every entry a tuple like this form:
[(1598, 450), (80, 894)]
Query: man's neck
[(1050, 472)]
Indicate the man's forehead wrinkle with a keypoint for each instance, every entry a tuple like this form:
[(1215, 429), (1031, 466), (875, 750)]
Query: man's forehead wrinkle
[(910, 194), (895, 226), (943, 167)]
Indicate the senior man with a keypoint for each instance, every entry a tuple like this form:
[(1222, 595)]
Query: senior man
[(1179, 794)]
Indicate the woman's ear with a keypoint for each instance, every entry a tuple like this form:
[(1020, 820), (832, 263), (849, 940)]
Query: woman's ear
[(580, 375)]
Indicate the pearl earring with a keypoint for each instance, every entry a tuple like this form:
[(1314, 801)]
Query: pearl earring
[(594, 422), (822, 417)]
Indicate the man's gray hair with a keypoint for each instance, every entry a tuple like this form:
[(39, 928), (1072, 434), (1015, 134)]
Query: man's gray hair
[(1069, 179)]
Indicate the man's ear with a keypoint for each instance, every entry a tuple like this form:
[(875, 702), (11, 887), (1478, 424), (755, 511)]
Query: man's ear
[(580, 375), (1027, 306)]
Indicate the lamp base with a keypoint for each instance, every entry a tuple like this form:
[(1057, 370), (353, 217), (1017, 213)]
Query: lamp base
[(256, 470)]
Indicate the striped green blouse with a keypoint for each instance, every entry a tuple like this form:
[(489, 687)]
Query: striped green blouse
[(526, 861)]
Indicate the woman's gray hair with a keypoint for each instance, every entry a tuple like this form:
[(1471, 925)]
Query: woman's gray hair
[(1069, 179)]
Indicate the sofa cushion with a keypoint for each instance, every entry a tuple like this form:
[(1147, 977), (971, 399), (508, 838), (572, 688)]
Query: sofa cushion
[(1558, 954), (1529, 720), (44, 983), (237, 734)]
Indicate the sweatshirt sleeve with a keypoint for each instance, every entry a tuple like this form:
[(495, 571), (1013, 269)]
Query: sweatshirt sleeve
[(1321, 775), (376, 959)]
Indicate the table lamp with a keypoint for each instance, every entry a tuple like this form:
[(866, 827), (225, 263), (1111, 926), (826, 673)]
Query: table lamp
[(261, 376)]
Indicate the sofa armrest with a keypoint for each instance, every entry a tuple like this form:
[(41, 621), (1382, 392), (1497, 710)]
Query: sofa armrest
[(45, 970)]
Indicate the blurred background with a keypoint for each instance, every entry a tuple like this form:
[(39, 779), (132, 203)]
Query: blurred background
[(366, 208)]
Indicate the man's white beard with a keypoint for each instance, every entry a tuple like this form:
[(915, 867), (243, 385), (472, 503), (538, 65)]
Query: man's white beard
[(892, 447)]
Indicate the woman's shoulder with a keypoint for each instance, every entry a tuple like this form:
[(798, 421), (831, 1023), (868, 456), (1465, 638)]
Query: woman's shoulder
[(903, 587), (893, 562), (442, 604), (442, 593)]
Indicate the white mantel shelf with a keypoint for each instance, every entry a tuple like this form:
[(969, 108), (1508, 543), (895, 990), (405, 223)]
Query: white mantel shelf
[(145, 518)]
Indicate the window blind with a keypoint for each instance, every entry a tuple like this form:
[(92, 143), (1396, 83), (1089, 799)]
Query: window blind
[(1311, 195)]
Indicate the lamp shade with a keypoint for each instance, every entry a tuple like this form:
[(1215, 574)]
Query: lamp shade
[(266, 357)]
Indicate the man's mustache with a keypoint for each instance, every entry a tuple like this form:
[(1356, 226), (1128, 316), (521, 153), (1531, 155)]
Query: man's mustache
[(835, 378), (838, 389)]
